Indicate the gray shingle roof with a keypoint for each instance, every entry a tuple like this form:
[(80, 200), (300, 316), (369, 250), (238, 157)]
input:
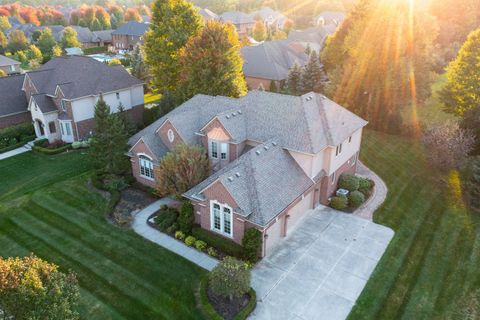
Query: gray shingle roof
[(84, 34), (44, 102), (271, 59), (263, 182), (103, 35), (80, 76), (237, 17), (132, 28), (5, 61), (207, 14), (12, 98)]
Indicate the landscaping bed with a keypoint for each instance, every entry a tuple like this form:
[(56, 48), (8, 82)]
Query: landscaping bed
[(359, 191), (131, 199), (16, 136), (45, 147)]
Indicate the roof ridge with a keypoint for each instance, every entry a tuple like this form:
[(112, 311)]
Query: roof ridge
[(309, 135), (323, 118)]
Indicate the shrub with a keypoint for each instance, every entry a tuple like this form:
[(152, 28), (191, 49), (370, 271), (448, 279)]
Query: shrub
[(212, 252), (200, 245), (19, 132), (86, 143), (76, 145), (339, 203), (40, 142), (179, 235), (364, 183), (220, 243), (166, 218), (114, 182), (190, 241), (172, 229), (356, 198), (349, 182), (230, 278), (186, 218), (251, 242)]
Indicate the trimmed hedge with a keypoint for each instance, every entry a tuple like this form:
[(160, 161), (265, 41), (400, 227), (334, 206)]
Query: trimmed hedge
[(210, 311), (52, 151), (355, 199), (349, 182), (339, 203), (95, 50), (221, 243)]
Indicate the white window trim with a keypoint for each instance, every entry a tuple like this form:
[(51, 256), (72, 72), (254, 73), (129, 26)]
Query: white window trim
[(338, 150), (227, 147), (219, 145), (139, 155), (62, 104), (210, 147), (222, 219), (334, 176)]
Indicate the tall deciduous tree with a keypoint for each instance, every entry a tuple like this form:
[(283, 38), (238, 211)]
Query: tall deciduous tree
[(259, 31), (31, 288), (174, 22), (3, 43), (46, 43), (211, 63), (471, 121), (17, 41), (4, 24), (109, 140), (462, 91), (181, 169), (69, 38)]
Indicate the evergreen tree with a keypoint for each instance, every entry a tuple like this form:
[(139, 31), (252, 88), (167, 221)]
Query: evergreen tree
[(139, 70), (17, 41), (109, 140), (273, 86), (46, 42), (312, 75), (294, 78), (259, 31), (211, 63), (462, 91), (174, 22), (473, 184), (69, 38)]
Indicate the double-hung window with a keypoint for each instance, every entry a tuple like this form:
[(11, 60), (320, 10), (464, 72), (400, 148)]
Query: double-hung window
[(62, 104), (221, 216), (146, 167), (223, 151), (214, 149), (338, 150)]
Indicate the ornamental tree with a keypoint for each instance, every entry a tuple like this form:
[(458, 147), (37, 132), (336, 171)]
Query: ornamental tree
[(230, 278), (17, 41), (211, 63), (69, 38), (462, 91), (259, 31), (181, 169), (174, 22), (31, 288)]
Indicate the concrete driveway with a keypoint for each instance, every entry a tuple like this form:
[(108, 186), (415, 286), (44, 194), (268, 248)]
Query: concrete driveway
[(320, 269)]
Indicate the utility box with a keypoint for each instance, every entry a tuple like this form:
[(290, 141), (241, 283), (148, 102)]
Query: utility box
[(342, 192)]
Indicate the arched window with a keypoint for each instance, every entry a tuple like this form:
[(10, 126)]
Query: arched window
[(146, 167)]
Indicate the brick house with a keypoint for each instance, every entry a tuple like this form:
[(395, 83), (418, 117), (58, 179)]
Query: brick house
[(61, 96), (9, 66), (13, 103), (273, 157), (129, 35)]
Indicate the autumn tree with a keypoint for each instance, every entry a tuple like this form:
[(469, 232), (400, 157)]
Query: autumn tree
[(174, 22), (462, 91), (259, 31), (17, 41), (211, 63), (46, 43), (2, 73), (288, 26), (3, 43), (31, 288), (69, 38), (132, 14), (471, 121), (4, 24), (181, 169)]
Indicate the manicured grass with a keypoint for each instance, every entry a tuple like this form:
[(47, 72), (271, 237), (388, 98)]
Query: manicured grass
[(152, 98), (432, 261), (47, 208)]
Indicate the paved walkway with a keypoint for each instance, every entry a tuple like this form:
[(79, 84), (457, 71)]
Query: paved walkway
[(13, 152), (142, 228), (378, 197), (320, 269)]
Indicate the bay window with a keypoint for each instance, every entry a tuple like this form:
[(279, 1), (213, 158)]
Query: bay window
[(221, 218)]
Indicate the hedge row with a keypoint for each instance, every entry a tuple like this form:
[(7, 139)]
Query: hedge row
[(95, 50), (209, 310), (52, 151), (221, 243), (17, 145)]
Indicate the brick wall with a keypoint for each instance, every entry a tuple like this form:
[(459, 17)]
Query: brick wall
[(24, 117), (29, 88), (140, 147), (328, 185), (163, 134)]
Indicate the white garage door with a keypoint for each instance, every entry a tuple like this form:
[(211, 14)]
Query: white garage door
[(274, 235), (298, 212)]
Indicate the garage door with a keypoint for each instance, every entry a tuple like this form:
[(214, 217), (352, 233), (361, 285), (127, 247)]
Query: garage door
[(298, 212), (274, 235)]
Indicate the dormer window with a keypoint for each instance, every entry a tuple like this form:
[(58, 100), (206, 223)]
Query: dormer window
[(63, 105)]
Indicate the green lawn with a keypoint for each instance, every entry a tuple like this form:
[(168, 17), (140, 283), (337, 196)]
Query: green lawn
[(152, 98), (432, 262), (46, 208)]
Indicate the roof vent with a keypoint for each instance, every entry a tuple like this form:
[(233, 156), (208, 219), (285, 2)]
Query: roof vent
[(237, 174), (230, 179), (265, 147), (239, 111), (228, 117), (258, 152), (234, 114), (274, 144)]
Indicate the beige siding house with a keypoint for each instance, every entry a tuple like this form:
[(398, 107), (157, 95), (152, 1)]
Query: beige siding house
[(273, 157)]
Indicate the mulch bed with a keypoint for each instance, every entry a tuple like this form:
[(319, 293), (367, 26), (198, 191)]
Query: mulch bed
[(227, 308), (131, 199)]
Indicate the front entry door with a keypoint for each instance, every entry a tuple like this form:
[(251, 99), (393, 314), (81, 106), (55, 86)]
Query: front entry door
[(67, 132)]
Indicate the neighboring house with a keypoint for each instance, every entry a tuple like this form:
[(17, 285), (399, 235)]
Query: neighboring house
[(9, 66), (271, 18), (90, 39), (243, 22), (62, 94), (271, 61), (129, 35), (313, 37), (273, 156), (326, 18), (207, 14), (13, 102), (29, 29)]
